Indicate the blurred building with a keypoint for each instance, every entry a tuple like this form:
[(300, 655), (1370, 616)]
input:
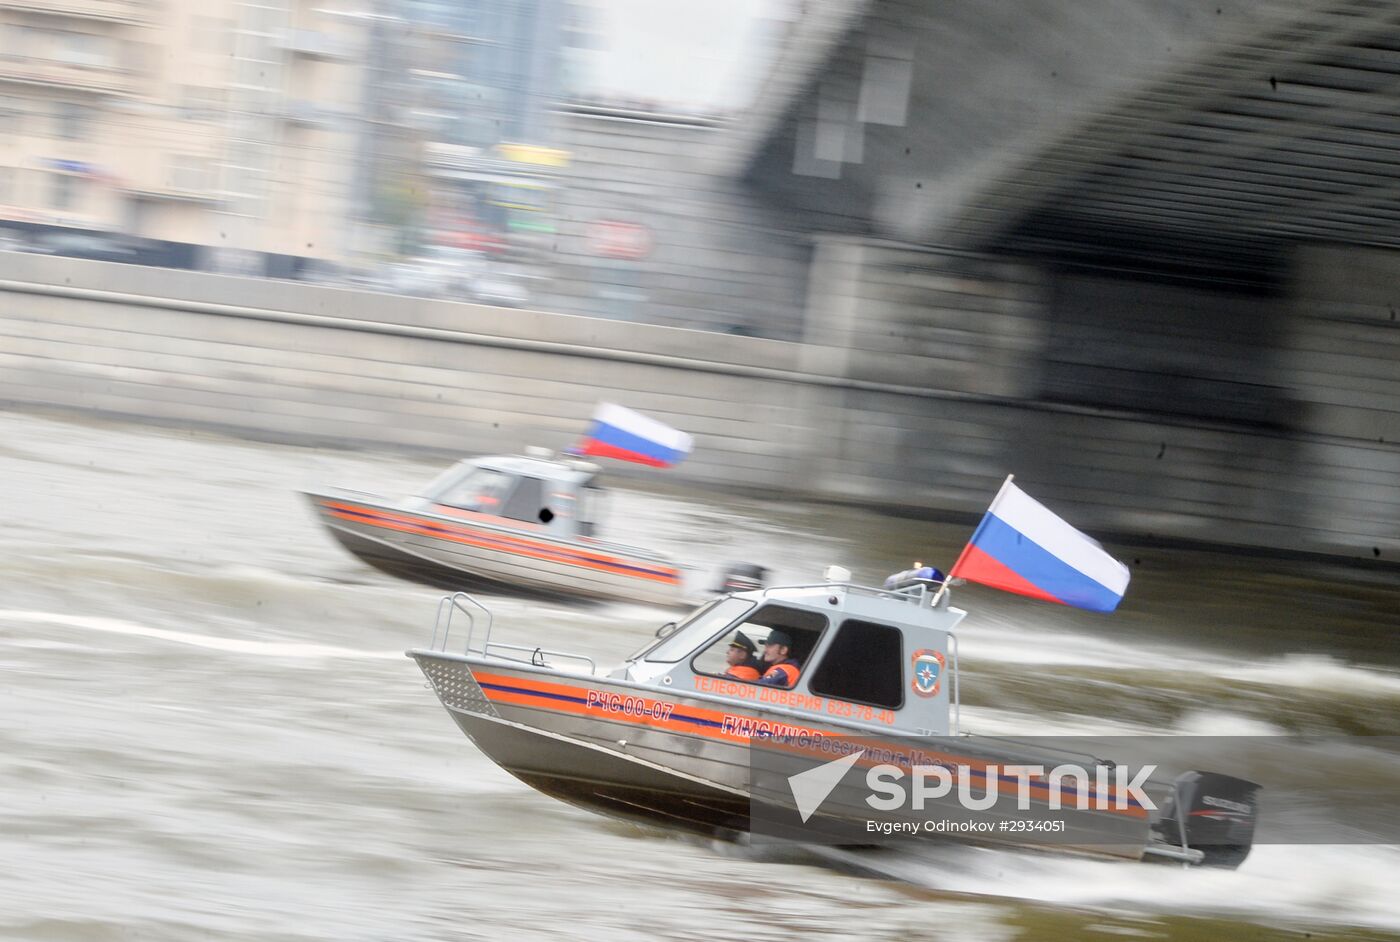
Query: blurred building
[(650, 229), (650, 224), (484, 96), (223, 124), (266, 136)]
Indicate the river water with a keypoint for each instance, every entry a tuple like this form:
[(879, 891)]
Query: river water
[(208, 729)]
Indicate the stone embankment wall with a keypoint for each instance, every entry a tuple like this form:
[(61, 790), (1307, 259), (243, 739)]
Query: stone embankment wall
[(928, 411)]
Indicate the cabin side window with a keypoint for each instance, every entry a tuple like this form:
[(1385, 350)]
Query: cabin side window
[(484, 490), (590, 509), (739, 654), (527, 502), (864, 664)]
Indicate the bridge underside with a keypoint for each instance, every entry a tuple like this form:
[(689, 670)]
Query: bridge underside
[(1180, 213), (1162, 131)]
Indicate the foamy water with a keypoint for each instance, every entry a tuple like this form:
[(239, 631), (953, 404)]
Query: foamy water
[(208, 728), (115, 626)]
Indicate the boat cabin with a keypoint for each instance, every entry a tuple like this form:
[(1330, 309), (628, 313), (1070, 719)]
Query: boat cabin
[(534, 490), (880, 658)]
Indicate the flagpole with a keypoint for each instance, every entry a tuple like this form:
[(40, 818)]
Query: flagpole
[(980, 524)]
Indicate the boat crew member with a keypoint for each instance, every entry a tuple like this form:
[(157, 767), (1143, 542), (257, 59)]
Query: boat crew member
[(781, 669), (740, 656)]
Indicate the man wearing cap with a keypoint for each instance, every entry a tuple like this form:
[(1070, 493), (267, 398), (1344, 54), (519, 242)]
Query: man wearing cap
[(743, 665), (781, 670)]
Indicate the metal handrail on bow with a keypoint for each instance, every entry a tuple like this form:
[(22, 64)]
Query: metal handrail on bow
[(458, 601), (471, 608)]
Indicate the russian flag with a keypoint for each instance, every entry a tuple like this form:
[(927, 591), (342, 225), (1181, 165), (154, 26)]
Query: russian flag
[(1022, 547), (630, 436)]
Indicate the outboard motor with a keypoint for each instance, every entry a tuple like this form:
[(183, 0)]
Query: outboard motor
[(742, 577), (1216, 813)]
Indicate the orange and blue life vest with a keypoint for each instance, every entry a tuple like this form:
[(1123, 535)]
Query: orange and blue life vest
[(782, 674), (743, 672)]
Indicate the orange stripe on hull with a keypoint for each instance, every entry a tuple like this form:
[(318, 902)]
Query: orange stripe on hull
[(710, 724), (501, 542)]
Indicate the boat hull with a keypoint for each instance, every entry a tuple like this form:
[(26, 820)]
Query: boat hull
[(605, 782), (451, 552), (660, 756)]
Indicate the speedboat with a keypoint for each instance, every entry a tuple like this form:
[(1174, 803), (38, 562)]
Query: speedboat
[(668, 736), (525, 521)]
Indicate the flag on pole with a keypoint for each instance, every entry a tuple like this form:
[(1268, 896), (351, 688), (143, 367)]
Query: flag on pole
[(1022, 547), (630, 436)]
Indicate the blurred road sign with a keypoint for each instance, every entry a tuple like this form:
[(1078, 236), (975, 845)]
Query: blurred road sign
[(613, 238), (531, 154)]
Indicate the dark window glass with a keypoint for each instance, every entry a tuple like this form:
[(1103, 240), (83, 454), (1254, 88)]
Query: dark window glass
[(73, 121), (865, 663), (526, 502), (61, 194), (803, 627)]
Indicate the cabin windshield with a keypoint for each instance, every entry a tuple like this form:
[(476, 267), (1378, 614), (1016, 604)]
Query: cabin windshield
[(446, 479), (696, 630), (483, 489)]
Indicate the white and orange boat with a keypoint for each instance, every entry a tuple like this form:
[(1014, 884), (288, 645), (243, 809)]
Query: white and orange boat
[(666, 738), (525, 521)]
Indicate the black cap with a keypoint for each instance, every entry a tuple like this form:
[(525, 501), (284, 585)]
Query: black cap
[(779, 637), (742, 640)]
